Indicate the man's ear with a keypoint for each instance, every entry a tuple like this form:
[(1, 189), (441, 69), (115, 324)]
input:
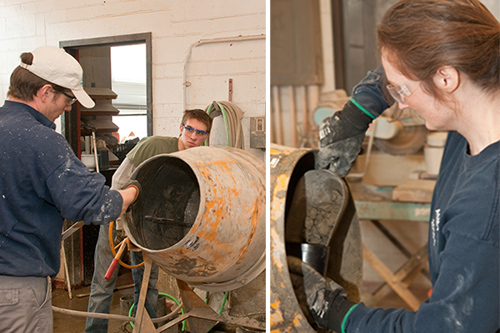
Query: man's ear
[(447, 79), (44, 92)]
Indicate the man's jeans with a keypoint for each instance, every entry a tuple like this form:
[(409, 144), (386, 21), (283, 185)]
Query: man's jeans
[(101, 292)]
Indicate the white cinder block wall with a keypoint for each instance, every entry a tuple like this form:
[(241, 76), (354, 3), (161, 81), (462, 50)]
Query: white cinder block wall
[(176, 26)]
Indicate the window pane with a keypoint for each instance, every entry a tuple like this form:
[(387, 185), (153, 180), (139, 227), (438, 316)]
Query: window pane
[(131, 126), (128, 80)]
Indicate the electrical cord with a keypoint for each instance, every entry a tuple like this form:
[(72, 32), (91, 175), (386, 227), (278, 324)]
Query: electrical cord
[(113, 249), (232, 116)]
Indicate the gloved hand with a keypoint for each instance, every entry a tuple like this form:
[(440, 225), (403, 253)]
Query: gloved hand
[(327, 301), (135, 184), (341, 136), (339, 156), (119, 236), (118, 230)]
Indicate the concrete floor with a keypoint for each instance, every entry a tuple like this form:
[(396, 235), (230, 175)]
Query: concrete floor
[(72, 324), (65, 323)]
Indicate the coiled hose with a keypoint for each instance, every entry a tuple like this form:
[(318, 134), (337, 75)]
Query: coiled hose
[(232, 116)]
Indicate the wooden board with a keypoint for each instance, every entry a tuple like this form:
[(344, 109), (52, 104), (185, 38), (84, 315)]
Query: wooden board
[(414, 190)]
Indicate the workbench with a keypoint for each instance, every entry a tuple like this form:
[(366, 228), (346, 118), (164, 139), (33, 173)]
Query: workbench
[(377, 204)]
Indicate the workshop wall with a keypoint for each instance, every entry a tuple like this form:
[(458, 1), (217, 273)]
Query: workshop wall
[(176, 26), (293, 102)]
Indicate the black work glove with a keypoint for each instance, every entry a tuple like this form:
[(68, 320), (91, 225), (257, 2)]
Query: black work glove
[(339, 156), (326, 300), (341, 136)]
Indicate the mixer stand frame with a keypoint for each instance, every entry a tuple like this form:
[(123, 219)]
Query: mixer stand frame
[(200, 316)]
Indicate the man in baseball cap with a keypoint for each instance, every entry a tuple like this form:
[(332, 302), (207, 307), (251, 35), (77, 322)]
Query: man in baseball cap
[(56, 66), (42, 183)]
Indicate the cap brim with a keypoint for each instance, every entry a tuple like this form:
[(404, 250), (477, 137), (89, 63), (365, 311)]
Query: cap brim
[(83, 98)]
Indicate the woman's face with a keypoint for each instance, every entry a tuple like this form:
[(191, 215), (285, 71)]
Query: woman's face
[(436, 114)]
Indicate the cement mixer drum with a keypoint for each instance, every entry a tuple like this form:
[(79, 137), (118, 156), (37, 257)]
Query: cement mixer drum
[(201, 216)]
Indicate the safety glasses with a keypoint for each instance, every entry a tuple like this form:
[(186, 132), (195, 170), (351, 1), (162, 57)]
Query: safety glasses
[(400, 92), (191, 130), (71, 100)]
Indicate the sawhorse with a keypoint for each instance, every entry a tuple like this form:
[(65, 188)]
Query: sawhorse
[(400, 279)]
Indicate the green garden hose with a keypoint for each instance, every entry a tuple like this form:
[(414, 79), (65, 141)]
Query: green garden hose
[(163, 294), (182, 310)]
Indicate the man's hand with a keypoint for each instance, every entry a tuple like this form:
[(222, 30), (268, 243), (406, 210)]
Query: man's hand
[(341, 136), (134, 184), (327, 301), (130, 194)]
